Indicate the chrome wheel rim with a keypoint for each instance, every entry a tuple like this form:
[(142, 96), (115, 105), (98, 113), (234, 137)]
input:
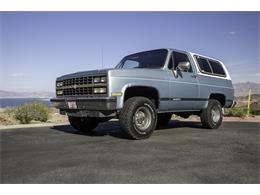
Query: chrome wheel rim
[(215, 114), (142, 118)]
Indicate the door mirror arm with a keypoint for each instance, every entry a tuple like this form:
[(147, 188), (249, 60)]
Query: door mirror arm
[(175, 73), (194, 75)]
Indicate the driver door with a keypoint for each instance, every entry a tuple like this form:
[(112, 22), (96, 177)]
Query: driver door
[(184, 89)]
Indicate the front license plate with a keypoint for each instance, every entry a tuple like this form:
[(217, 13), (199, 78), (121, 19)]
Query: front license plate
[(72, 105)]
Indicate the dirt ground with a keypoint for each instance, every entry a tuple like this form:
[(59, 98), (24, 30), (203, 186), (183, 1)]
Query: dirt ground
[(226, 119), (7, 119)]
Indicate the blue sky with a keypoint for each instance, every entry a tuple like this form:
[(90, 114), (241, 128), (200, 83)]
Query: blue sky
[(36, 47)]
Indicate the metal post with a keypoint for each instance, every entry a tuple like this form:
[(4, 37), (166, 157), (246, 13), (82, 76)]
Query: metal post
[(248, 103)]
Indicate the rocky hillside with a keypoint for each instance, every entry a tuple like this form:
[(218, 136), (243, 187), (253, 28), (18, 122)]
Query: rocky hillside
[(12, 94), (241, 89)]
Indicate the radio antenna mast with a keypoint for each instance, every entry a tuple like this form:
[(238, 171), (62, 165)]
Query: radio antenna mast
[(102, 56)]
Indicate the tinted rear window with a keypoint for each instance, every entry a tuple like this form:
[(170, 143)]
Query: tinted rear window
[(217, 68), (203, 64)]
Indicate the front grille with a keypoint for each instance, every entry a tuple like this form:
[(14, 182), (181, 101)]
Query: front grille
[(78, 81), (78, 91), (80, 86)]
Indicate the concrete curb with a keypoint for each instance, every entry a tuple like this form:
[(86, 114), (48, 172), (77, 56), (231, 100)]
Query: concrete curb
[(226, 119), (21, 126)]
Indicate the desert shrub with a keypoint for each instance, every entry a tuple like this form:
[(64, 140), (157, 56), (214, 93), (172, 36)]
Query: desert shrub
[(40, 112), (255, 108), (255, 112), (237, 112), (24, 114), (32, 111)]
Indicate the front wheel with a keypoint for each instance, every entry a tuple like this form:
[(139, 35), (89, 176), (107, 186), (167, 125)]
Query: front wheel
[(212, 116), (138, 117), (84, 124)]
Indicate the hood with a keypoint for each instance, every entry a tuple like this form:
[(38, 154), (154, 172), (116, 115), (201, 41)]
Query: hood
[(84, 73)]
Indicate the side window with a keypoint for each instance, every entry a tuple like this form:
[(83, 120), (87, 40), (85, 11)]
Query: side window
[(217, 68), (180, 57), (131, 64), (204, 65)]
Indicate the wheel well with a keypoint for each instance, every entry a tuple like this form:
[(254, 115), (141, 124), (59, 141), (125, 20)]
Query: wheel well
[(220, 97), (148, 92)]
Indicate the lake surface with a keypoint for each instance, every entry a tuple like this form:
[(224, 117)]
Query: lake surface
[(10, 102)]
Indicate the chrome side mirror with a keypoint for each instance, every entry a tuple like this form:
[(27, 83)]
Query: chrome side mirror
[(184, 66)]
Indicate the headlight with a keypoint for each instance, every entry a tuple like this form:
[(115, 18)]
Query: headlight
[(96, 79), (100, 79), (59, 84), (59, 92), (100, 90), (103, 79)]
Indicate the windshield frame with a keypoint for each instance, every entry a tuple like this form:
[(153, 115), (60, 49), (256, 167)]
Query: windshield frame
[(120, 64)]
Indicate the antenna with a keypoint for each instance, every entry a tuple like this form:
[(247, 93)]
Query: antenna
[(102, 56)]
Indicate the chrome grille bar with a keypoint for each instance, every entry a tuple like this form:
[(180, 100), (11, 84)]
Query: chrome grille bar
[(80, 86)]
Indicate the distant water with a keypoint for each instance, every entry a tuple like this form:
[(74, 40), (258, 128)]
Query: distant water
[(10, 102)]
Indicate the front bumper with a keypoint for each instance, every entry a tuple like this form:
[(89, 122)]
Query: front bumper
[(86, 103)]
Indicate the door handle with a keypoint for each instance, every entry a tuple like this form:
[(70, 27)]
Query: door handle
[(194, 76)]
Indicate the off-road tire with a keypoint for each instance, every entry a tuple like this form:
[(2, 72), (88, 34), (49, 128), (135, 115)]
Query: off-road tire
[(163, 119), (129, 114), (83, 124), (207, 116)]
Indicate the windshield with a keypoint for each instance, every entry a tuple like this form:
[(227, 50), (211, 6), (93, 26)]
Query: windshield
[(147, 59)]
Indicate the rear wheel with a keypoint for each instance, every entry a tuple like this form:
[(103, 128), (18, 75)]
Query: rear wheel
[(84, 124), (163, 119), (212, 116), (138, 117)]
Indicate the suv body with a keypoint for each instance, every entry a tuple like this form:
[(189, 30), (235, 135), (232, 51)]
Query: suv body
[(145, 89)]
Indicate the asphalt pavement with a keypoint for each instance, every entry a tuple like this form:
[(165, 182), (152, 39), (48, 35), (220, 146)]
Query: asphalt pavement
[(182, 152)]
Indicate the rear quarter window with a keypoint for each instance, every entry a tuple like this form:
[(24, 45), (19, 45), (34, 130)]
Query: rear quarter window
[(203, 64), (217, 68)]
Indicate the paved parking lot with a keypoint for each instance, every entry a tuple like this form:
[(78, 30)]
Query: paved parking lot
[(183, 152)]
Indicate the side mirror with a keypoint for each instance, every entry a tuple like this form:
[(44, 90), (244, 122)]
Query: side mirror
[(184, 66)]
